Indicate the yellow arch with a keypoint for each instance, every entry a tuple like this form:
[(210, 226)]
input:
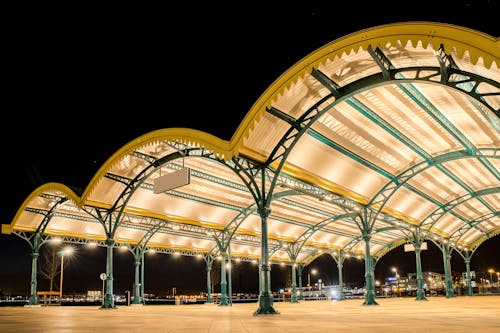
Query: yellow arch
[(478, 44), (187, 136), (48, 187)]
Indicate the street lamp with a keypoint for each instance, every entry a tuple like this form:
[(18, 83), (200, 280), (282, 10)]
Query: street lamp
[(395, 270), (491, 271), (313, 272), (66, 251), (432, 285)]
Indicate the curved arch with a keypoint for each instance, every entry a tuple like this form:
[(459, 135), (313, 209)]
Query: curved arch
[(302, 239), (132, 185), (189, 137), (382, 252), (384, 194), (479, 45), (484, 238), (439, 212), (47, 187), (472, 223)]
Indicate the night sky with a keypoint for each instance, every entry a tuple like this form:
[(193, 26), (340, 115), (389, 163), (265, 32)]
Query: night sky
[(82, 82)]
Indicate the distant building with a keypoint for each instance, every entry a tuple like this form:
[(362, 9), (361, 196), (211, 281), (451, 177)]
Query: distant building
[(432, 282)]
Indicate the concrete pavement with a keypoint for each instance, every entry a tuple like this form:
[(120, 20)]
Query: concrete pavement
[(475, 314)]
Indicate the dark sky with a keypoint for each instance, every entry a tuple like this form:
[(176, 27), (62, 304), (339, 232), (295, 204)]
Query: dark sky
[(81, 82)]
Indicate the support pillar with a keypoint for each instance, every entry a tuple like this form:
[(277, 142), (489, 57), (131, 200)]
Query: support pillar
[(370, 292), (469, 282), (209, 262), (294, 284), (229, 281), (420, 290), (265, 296), (340, 264), (142, 278), (109, 300), (300, 268), (339, 259), (33, 298), (223, 282), (447, 272), (137, 284)]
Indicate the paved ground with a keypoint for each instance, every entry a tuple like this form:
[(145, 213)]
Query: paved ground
[(438, 314)]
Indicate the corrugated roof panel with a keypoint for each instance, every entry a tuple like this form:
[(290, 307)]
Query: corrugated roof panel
[(335, 167)]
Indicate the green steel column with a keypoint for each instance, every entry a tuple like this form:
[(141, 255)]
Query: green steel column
[(223, 282), (33, 299), (137, 284), (370, 292), (265, 296), (209, 281), (469, 283), (447, 272), (229, 279), (373, 265), (340, 264), (420, 290), (294, 284), (109, 300), (142, 278), (301, 297), (260, 276)]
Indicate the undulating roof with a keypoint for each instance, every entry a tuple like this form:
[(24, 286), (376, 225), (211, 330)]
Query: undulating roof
[(396, 125)]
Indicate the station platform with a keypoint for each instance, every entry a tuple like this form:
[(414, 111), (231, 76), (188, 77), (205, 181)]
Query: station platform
[(437, 314)]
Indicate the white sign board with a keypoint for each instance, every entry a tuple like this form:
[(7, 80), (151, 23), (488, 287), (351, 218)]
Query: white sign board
[(410, 247), (172, 180)]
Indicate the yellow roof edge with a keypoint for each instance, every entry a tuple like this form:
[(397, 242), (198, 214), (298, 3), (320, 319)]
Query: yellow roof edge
[(177, 134), (6, 229), (477, 43), (47, 187)]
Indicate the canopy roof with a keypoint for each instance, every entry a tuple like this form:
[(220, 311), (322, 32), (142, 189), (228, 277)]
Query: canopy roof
[(390, 132)]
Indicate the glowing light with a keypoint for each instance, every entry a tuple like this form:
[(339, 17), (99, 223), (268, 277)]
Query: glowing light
[(67, 250)]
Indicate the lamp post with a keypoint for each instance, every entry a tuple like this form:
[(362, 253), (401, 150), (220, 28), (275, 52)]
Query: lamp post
[(66, 251), (491, 271), (313, 272), (430, 285), (395, 270)]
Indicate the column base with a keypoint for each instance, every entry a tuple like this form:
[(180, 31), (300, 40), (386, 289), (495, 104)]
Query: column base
[(421, 297), (136, 304), (370, 299), (265, 306)]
